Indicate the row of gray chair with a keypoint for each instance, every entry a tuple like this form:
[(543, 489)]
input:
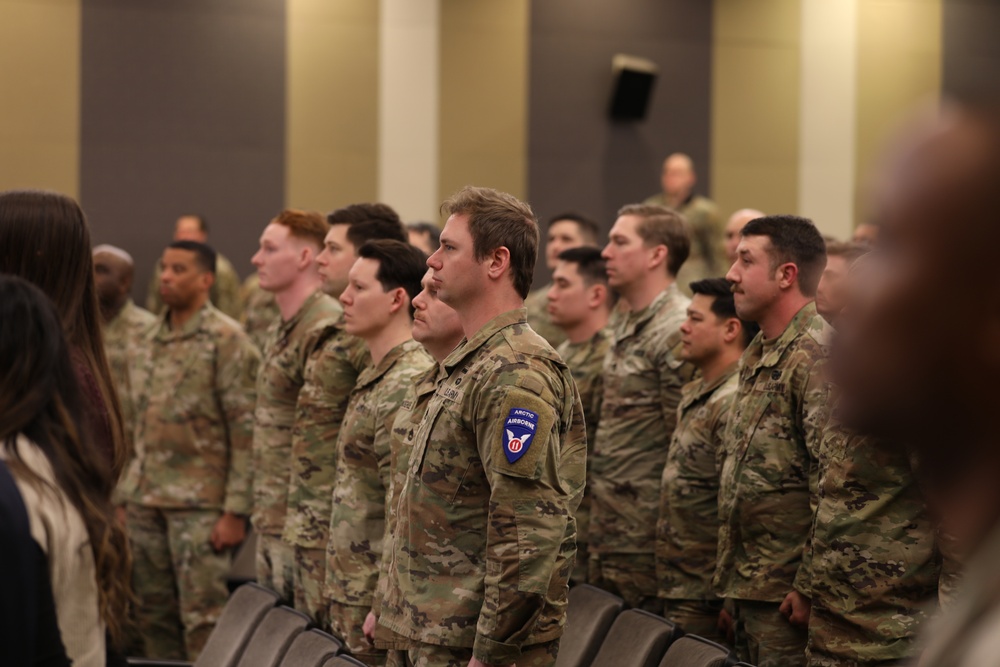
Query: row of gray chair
[(254, 632), (599, 634)]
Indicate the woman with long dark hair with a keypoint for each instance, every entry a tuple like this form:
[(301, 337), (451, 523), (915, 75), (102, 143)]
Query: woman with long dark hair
[(65, 484), (44, 239)]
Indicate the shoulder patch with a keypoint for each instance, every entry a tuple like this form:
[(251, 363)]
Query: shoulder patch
[(518, 431)]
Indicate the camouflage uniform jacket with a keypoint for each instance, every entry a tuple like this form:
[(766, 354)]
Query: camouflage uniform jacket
[(643, 378), (282, 375), (195, 393), (486, 534), (586, 362), (329, 379), (404, 427), (539, 319), (225, 292), (364, 472), (875, 562), (123, 341), (769, 480), (687, 534), (261, 315)]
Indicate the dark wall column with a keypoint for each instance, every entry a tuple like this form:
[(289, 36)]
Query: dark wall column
[(579, 158), (971, 49), (182, 111)]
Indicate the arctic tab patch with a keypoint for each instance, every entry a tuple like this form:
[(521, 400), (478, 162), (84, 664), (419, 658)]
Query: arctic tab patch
[(518, 431)]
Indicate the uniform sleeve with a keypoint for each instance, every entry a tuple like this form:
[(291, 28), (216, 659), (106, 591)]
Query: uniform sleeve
[(238, 364), (330, 377), (228, 286), (153, 302), (534, 478), (674, 374), (815, 415)]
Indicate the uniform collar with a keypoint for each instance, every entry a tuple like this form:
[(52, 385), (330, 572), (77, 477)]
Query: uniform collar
[(756, 358), (469, 346), (307, 305), (697, 390), (189, 328), (633, 321), (373, 373)]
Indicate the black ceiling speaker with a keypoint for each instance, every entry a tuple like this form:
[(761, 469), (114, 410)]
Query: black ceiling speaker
[(634, 78)]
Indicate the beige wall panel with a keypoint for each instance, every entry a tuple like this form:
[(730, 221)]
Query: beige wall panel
[(332, 103), (40, 77), (899, 66), (755, 105), (484, 87)]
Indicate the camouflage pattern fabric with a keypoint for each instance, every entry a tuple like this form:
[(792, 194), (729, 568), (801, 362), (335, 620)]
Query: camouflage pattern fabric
[(260, 316), (632, 577), (358, 523), (329, 378), (696, 617), (224, 295), (708, 239), (178, 579), (428, 655), (874, 555), (195, 394), (687, 532), (276, 567), (347, 624), (768, 487), (486, 534), (586, 363), (539, 319), (282, 375), (642, 388), (765, 638), (308, 577)]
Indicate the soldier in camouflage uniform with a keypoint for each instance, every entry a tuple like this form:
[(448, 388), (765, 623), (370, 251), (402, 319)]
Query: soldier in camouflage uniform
[(708, 255), (643, 376), (569, 230), (580, 302), (769, 481), (485, 539), (225, 294), (329, 380), (712, 339), (187, 488), (260, 311), (124, 324), (437, 328), (377, 309), (310, 320)]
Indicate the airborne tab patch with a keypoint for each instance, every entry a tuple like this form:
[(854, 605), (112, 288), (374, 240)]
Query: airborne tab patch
[(518, 431)]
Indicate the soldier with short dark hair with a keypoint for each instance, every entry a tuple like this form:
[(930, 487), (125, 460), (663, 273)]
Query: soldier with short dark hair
[(713, 338), (377, 309), (485, 533), (188, 487), (770, 474)]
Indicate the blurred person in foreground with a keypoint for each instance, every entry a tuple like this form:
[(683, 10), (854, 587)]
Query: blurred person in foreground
[(65, 485), (45, 239), (937, 208)]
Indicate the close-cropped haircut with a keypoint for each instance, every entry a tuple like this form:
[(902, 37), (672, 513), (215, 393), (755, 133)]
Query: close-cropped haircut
[(200, 219), (589, 229), (660, 225), (204, 256), (849, 251), (399, 265), (369, 222), (433, 231), (794, 240), (589, 263), (499, 220), (724, 304), (306, 225)]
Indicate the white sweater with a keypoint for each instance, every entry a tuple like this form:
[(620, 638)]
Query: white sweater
[(59, 530)]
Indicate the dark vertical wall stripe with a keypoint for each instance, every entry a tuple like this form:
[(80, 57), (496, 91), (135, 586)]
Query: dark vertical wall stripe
[(578, 158), (182, 111), (971, 50)]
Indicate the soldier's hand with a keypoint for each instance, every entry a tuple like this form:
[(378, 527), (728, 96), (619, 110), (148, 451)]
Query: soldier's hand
[(228, 532), (369, 626), (725, 625), (476, 663), (121, 516), (796, 608)]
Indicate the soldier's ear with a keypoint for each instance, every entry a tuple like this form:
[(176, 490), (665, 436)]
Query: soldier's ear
[(597, 295), (400, 299), (498, 262), (733, 330)]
